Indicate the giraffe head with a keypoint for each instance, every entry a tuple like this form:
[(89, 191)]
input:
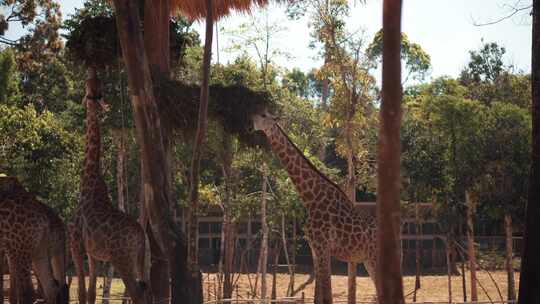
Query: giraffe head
[(263, 121)]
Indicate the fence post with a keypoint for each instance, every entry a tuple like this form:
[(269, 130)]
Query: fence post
[(303, 297)]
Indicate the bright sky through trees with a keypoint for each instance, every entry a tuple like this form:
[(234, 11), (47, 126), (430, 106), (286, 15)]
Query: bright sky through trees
[(443, 28)]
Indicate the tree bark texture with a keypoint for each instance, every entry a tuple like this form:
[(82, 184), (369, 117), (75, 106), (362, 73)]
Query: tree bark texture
[(530, 263), (471, 206), (155, 190), (389, 279), (509, 257)]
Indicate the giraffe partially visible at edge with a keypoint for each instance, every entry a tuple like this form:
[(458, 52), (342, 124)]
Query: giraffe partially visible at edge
[(31, 236)]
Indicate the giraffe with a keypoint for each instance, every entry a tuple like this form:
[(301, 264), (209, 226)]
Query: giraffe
[(57, 246), (26, 237), (100, 230), (335, 226)]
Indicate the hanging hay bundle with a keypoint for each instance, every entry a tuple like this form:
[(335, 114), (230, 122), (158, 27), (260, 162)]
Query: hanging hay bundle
[(93, 40), (196, 9), (231, 106)]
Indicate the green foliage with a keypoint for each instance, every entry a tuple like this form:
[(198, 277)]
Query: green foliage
[(9, 80), (486, 64), (505, 184), (417, 61), (35, 147)]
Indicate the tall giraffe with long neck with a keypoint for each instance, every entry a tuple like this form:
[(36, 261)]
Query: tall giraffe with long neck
[(335, 226), (100, 230)]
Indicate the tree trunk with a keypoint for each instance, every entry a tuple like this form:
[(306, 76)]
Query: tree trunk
[(418, 252), (388, 270), (290, 287), (199, 143), (293, 256), (155, 188), (263, 259), (509, 257), (2, 276), (275, 263), (530, 263), (463, 277), (449, 268), (229, 235), (198, 146), (351, 193), (471, 206)]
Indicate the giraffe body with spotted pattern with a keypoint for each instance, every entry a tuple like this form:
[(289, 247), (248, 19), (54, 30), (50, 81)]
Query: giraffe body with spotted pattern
[(32, 236), (98, 229), (336, 227)]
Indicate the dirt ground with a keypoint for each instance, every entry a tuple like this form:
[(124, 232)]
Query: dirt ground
[(433, 287)]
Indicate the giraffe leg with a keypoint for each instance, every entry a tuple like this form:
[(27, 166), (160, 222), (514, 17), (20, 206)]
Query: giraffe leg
[(59, 262), (43, 269), (370, 268), (137, 291), (21, 292), (323, 285), (78, 260), (92, 280)]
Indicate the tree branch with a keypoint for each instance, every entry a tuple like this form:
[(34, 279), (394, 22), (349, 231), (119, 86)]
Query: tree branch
[(515, 9)]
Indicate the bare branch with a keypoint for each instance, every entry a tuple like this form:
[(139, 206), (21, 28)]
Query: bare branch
[(514, 9)]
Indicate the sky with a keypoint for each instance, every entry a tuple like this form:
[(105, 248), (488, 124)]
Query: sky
[(444, 29)]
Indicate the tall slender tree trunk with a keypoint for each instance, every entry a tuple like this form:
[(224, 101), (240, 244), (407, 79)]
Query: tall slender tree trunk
[(275, 262), (290, 268), (198, 146), (509, 257), (2, 276), (389, 279), (449, 267), (263, 258), (228, 227), (156, 42), (463, 278), (155, 188), (351, 193), (471, 206), (199, 141), (530, 263), (418, 250)]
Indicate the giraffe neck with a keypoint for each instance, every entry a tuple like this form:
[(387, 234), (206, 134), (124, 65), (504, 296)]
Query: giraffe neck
[(92, 157), (311, 184)]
